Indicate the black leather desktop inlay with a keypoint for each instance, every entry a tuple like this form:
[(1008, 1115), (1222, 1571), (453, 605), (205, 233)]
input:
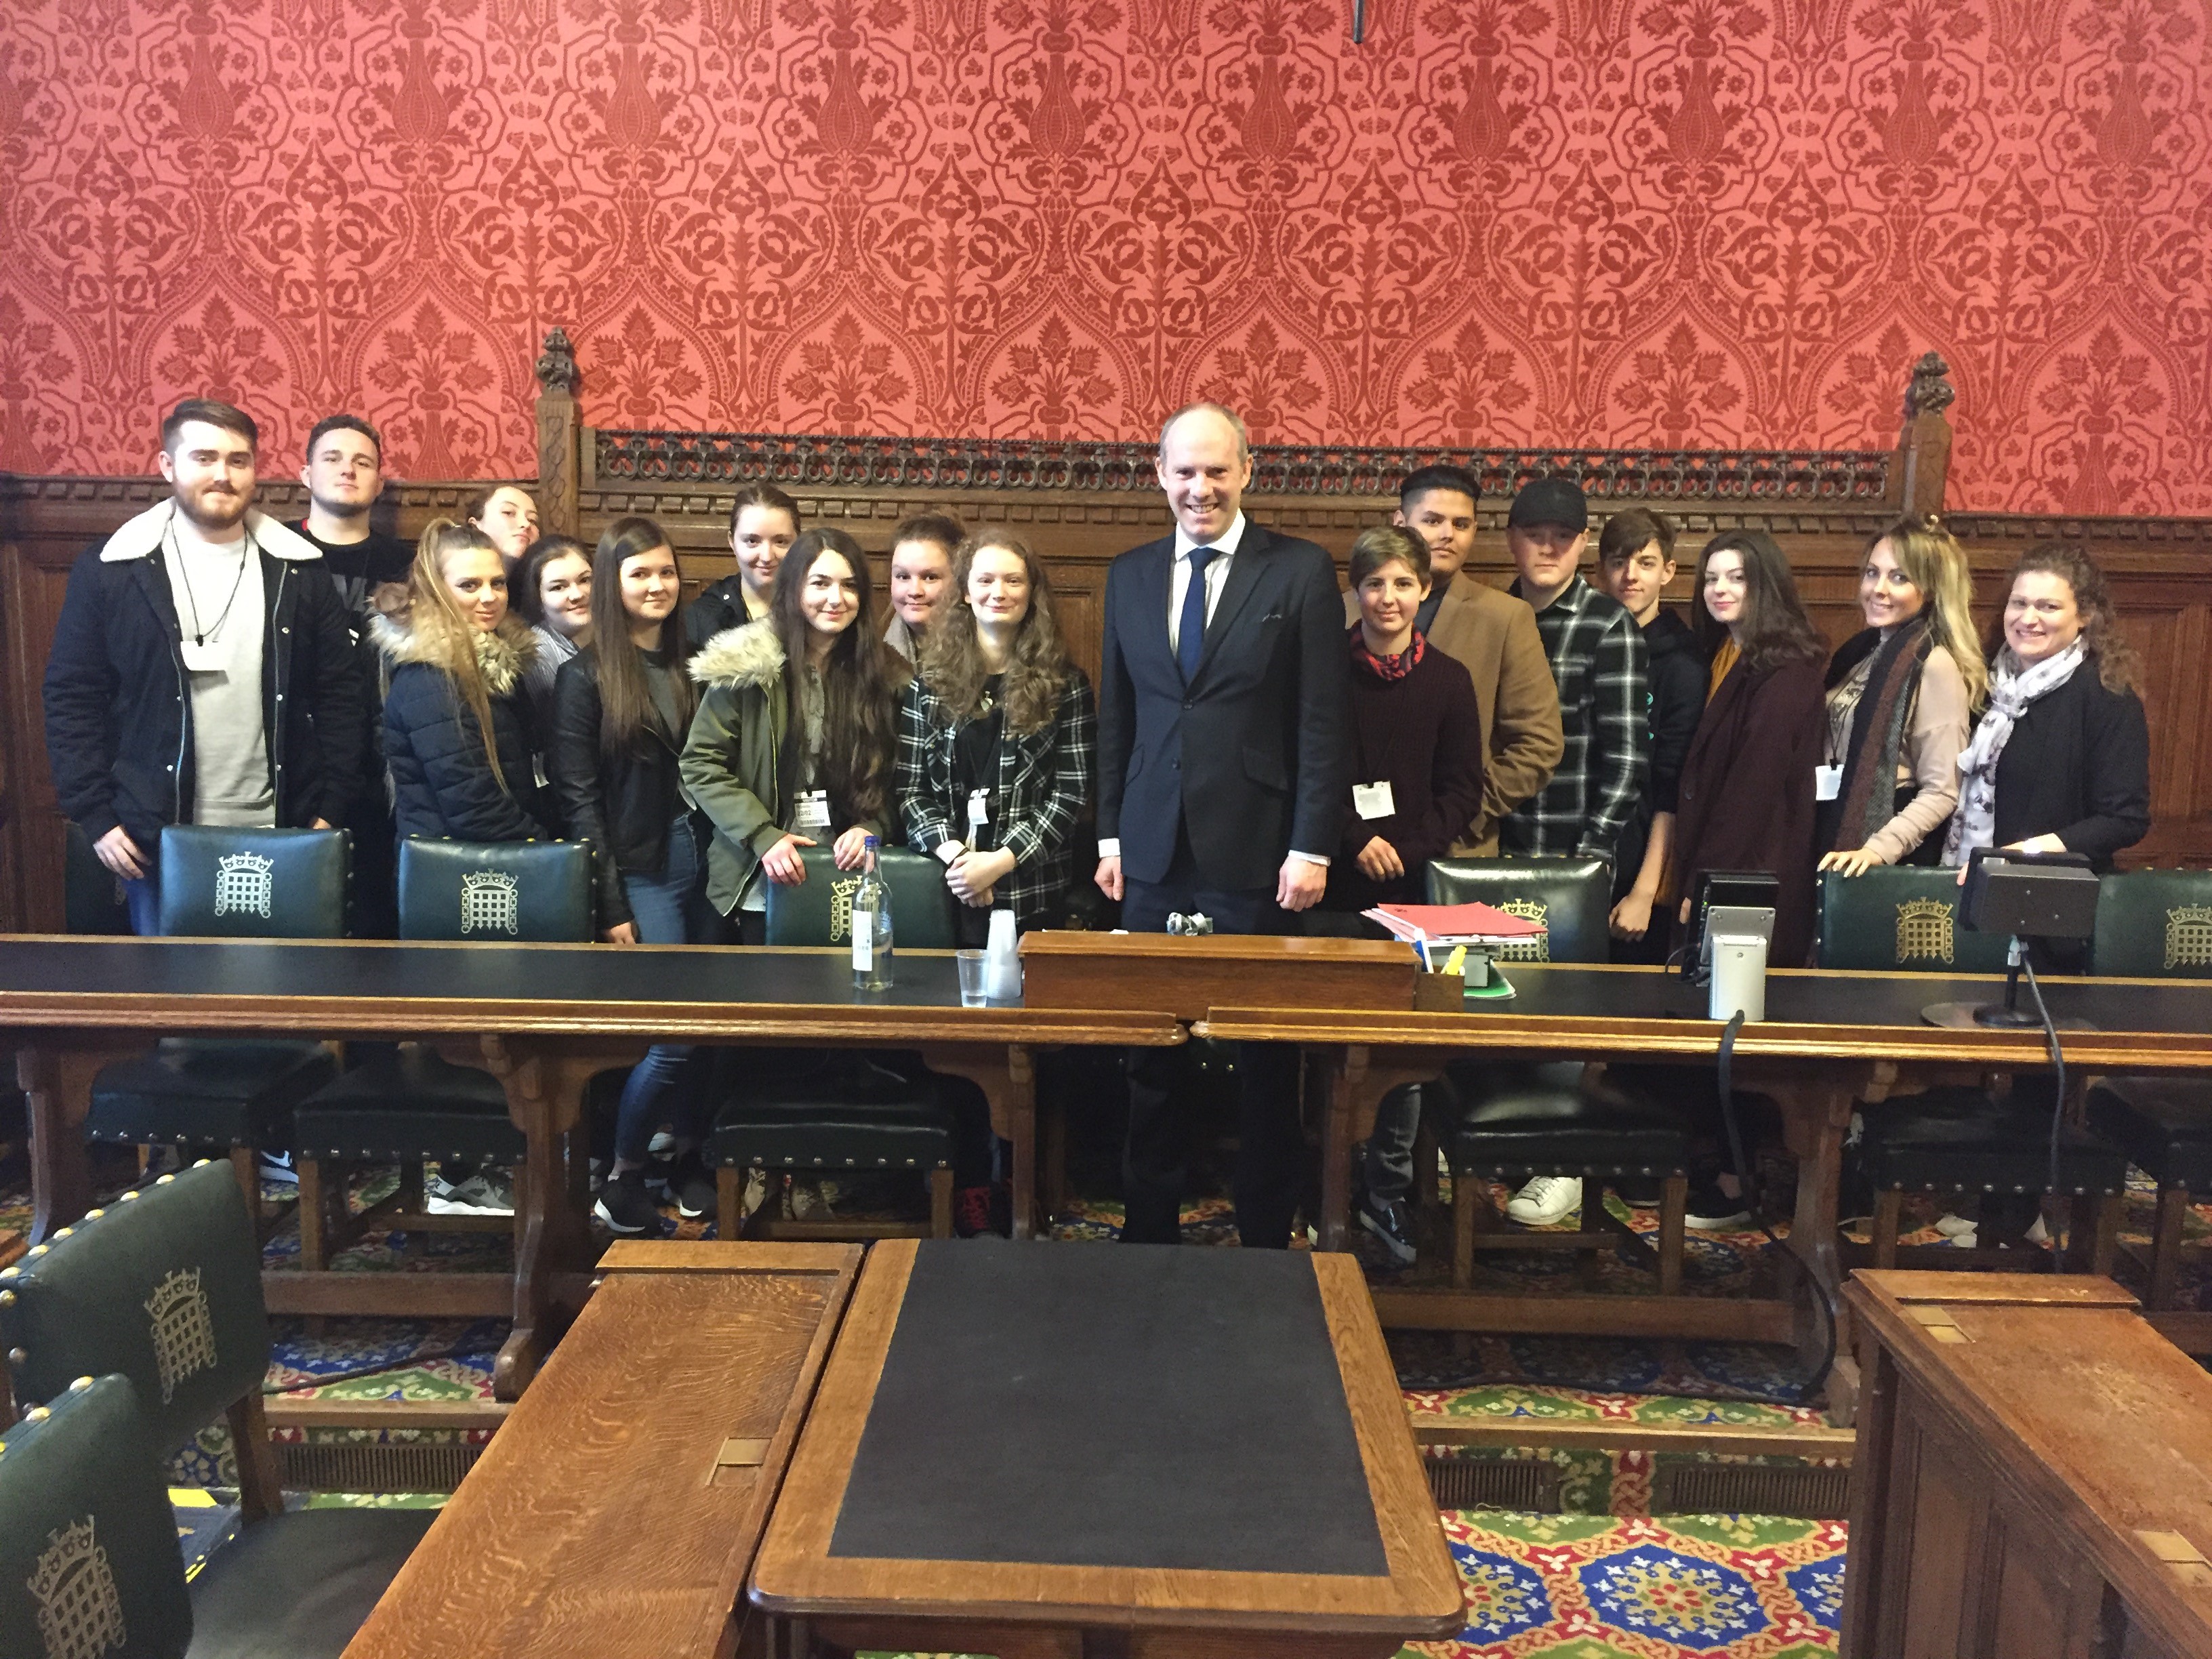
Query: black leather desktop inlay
[(524, 972), (1138, 1406)]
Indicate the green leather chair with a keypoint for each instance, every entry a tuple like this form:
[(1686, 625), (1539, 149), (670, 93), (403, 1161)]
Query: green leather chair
[(237, 1093), (1902, 919), (88, 1559), (1571, 897), (819, 910), (841, 1110), (164, 1286), (2153, 924), (406, 1103), (2157, 924)]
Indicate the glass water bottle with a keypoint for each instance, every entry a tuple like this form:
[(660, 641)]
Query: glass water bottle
[(872, 927)]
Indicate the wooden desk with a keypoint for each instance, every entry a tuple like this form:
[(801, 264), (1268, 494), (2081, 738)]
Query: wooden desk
[(2033, 1478), (543, 1019), (1142, 1452), (615, 1514), (1831, 1040)]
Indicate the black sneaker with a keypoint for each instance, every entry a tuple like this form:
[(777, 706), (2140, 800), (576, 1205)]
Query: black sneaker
[(625, 1207), (1387, 1219), (1641, 1191), (1712, 1211), (691, 1184)]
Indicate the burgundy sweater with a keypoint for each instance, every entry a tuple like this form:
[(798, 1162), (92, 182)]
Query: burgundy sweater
[(1423, 733)]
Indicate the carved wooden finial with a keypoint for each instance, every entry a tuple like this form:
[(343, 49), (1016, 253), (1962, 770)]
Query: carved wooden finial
[(556, 367), (1929, 392)]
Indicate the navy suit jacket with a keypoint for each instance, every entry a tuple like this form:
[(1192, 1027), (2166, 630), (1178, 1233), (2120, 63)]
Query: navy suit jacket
[(1253, 755)]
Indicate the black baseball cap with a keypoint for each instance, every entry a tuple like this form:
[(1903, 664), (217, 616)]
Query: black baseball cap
[(1549, 501)]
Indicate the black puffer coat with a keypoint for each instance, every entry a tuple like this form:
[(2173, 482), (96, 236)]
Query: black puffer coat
[(442, 783)]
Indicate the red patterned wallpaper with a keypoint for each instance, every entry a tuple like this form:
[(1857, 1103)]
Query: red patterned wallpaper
[(1661, 222)]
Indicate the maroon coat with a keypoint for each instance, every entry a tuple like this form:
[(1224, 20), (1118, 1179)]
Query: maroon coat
[(1423, 733), (1746, 797)]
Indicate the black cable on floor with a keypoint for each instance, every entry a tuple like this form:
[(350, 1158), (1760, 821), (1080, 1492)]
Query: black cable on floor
[(1810, 1385)]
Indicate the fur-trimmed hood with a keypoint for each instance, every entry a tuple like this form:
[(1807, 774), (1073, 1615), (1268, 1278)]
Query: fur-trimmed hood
[(748, 654), (502, 655), (139, 537)]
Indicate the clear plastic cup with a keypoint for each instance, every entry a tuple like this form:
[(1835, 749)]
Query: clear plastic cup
[(974, 979)]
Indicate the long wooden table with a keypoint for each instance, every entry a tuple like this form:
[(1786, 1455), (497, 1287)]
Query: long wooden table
[(615, 1514), (1831, 1040), (543, 1019), (2033, 1478), (1143, 1453)]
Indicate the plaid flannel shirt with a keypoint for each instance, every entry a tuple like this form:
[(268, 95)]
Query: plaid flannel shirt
[(1044, 783), (1598, 659)]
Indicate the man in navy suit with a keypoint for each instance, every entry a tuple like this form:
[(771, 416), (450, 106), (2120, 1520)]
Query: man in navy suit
[(1223, 731)]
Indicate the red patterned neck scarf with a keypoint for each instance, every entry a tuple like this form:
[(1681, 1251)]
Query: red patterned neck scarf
[(1386, 668)]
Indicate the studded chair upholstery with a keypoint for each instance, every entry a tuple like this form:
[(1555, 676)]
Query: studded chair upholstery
[(495, 892), (89, 1557), (164, 1287), (819, 910), (231, 1092), (841, 1110), (407, 1104), (1902, 919), (1571, 897)]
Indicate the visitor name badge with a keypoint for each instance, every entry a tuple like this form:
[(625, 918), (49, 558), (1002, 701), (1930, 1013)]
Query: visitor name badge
[(201, 659), (1372, 800), (979, 808), (1827, 782), (813, 808)]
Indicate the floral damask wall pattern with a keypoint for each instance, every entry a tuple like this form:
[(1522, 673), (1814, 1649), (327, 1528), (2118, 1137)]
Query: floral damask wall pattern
[(1709, 223)]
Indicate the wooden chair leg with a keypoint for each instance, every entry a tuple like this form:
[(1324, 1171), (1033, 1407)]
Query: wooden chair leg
[(1424, 1164), (940, 1202), (2165, 1246), (729, 1201), (1673, 1205), (246, 1164), (2101, 1228), (314, 1216), (1889, 1211), (1469, 1196), (519, 1180), (260, 1492)]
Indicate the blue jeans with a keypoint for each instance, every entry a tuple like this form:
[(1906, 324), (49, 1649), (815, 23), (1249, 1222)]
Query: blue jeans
[(144, 899), (1390, 1145), (669, 909)]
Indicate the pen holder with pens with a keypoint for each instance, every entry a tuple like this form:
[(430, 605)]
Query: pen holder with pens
[(1440, 993)]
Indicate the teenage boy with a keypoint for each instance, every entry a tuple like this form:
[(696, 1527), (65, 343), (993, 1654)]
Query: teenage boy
[(922, 550), (1635, 564), (1493, 637), (1598, 664), (202, 670)]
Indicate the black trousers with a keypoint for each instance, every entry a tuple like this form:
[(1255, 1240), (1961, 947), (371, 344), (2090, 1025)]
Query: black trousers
[(1271, 1149)]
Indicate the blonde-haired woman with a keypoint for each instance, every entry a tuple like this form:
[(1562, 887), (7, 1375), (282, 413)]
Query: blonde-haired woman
[(1902, 696), (458, 739), (998, 739)]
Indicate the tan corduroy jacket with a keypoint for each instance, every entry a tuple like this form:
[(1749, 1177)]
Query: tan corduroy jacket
[(1493, 637)]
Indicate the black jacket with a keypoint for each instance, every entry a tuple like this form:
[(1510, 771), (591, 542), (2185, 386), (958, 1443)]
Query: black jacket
[(2077, 766), (1253, 758), (720, 605), (442, 784), (1674, 671), (622, 803), (118, 705)]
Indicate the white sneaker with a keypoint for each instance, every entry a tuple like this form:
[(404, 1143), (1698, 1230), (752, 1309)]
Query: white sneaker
[(1546, 1201), (1969, 1239), (489, 1194), (2037, 1233), (1953, 1226), (277, 1167)]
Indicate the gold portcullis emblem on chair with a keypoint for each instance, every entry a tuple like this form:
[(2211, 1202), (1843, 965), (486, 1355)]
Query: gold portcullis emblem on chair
[(2188, 937), (1538, 949), (184, 1334), (80, 1614), (1924, 931), (243, 885), (489, 904), (841, 908)]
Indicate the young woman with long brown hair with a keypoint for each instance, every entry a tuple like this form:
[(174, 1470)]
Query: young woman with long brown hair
[(998, 739), (459, 741), (792, 743), (551, 588), (623, 708)]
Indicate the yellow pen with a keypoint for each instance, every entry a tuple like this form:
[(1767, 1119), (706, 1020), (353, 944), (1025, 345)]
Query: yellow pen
[(1456, 962)]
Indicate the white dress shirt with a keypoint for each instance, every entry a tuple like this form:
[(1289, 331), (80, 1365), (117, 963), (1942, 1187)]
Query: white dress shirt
[(1216, 578)]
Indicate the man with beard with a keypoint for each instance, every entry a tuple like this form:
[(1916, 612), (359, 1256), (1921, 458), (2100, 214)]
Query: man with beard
[(202, 670)]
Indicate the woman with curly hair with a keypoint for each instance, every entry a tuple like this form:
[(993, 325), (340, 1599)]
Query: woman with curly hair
[(998, 740), (791, 745), (1902, 694), (2061, 762)]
